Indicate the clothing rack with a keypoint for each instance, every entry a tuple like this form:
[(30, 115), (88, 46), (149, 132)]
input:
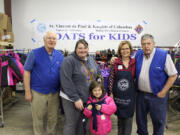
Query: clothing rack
[(175, 115), (24, 51), (1, 106), (8, 104), (4, 88), (177, 45), (174, 95)]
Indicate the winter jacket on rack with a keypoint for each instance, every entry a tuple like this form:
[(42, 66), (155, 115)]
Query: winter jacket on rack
[(15, 57), (22, 57), (9, 71), (177, 64), (105, 74)]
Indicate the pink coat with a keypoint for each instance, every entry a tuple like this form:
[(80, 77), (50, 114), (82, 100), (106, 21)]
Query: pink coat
[(104, 124)]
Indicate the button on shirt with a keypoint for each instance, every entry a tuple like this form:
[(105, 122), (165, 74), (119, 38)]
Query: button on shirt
[(144, 82)]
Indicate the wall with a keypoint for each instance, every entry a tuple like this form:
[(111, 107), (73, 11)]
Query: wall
[(2, 6), (162, 17)]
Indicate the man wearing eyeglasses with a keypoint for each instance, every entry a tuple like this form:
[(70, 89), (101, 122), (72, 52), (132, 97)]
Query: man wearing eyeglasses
[(42, 83)]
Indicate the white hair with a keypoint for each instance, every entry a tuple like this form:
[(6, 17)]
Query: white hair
[(45, 35), (147, 36)]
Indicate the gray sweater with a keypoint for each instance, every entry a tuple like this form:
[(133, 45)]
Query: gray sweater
[(75, 79)]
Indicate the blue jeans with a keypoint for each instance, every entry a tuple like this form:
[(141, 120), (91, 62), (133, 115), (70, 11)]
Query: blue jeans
[(157, 107)]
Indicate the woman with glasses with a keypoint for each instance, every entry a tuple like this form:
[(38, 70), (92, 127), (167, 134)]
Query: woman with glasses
[(121, 87)]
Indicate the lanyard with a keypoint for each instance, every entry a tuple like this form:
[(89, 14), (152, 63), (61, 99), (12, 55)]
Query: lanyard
[(88, 73)]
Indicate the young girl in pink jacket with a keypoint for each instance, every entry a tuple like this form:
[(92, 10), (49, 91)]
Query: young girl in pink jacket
[(99, 109)]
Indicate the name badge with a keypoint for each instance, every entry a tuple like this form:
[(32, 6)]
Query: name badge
[(120, 67), (103, 117)]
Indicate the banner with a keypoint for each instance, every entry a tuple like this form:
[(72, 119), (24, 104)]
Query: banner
[(101, 34)]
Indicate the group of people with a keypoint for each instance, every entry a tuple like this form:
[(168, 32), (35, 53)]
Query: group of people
[(145, 79)]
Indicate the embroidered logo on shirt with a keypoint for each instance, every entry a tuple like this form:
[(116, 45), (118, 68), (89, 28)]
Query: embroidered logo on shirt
[(123, 84), (158, 67), (57, 62)]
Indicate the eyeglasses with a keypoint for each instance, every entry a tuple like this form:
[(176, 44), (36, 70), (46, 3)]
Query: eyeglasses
[(143, 44), (123, 49), (51, 38)]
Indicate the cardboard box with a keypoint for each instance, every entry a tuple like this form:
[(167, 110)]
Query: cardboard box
[(9, 37), (2, 37), (3, 21), (2, 47), (9, 25), (6, 44), (7, 96)]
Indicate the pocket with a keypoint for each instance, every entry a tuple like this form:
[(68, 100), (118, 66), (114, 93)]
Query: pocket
[(107, 125), (157, 69), (159, 103)]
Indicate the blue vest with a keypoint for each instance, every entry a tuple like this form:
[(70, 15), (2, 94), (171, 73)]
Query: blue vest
[(157, 75), (45, 76)]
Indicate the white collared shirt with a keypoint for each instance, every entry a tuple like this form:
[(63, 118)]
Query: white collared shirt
[(144, 82)]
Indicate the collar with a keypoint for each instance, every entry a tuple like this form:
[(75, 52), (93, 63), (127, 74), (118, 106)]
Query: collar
[(151, 55), (77, 57), (52, 53), (119, 61)]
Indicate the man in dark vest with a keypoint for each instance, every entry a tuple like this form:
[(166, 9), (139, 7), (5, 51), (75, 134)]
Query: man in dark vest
[(155, 74), (42, 83)]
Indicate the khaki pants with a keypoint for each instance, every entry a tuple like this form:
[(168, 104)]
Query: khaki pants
[(44, 108)]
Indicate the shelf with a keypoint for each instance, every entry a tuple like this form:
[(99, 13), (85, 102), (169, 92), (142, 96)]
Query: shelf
[(3, 43)]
